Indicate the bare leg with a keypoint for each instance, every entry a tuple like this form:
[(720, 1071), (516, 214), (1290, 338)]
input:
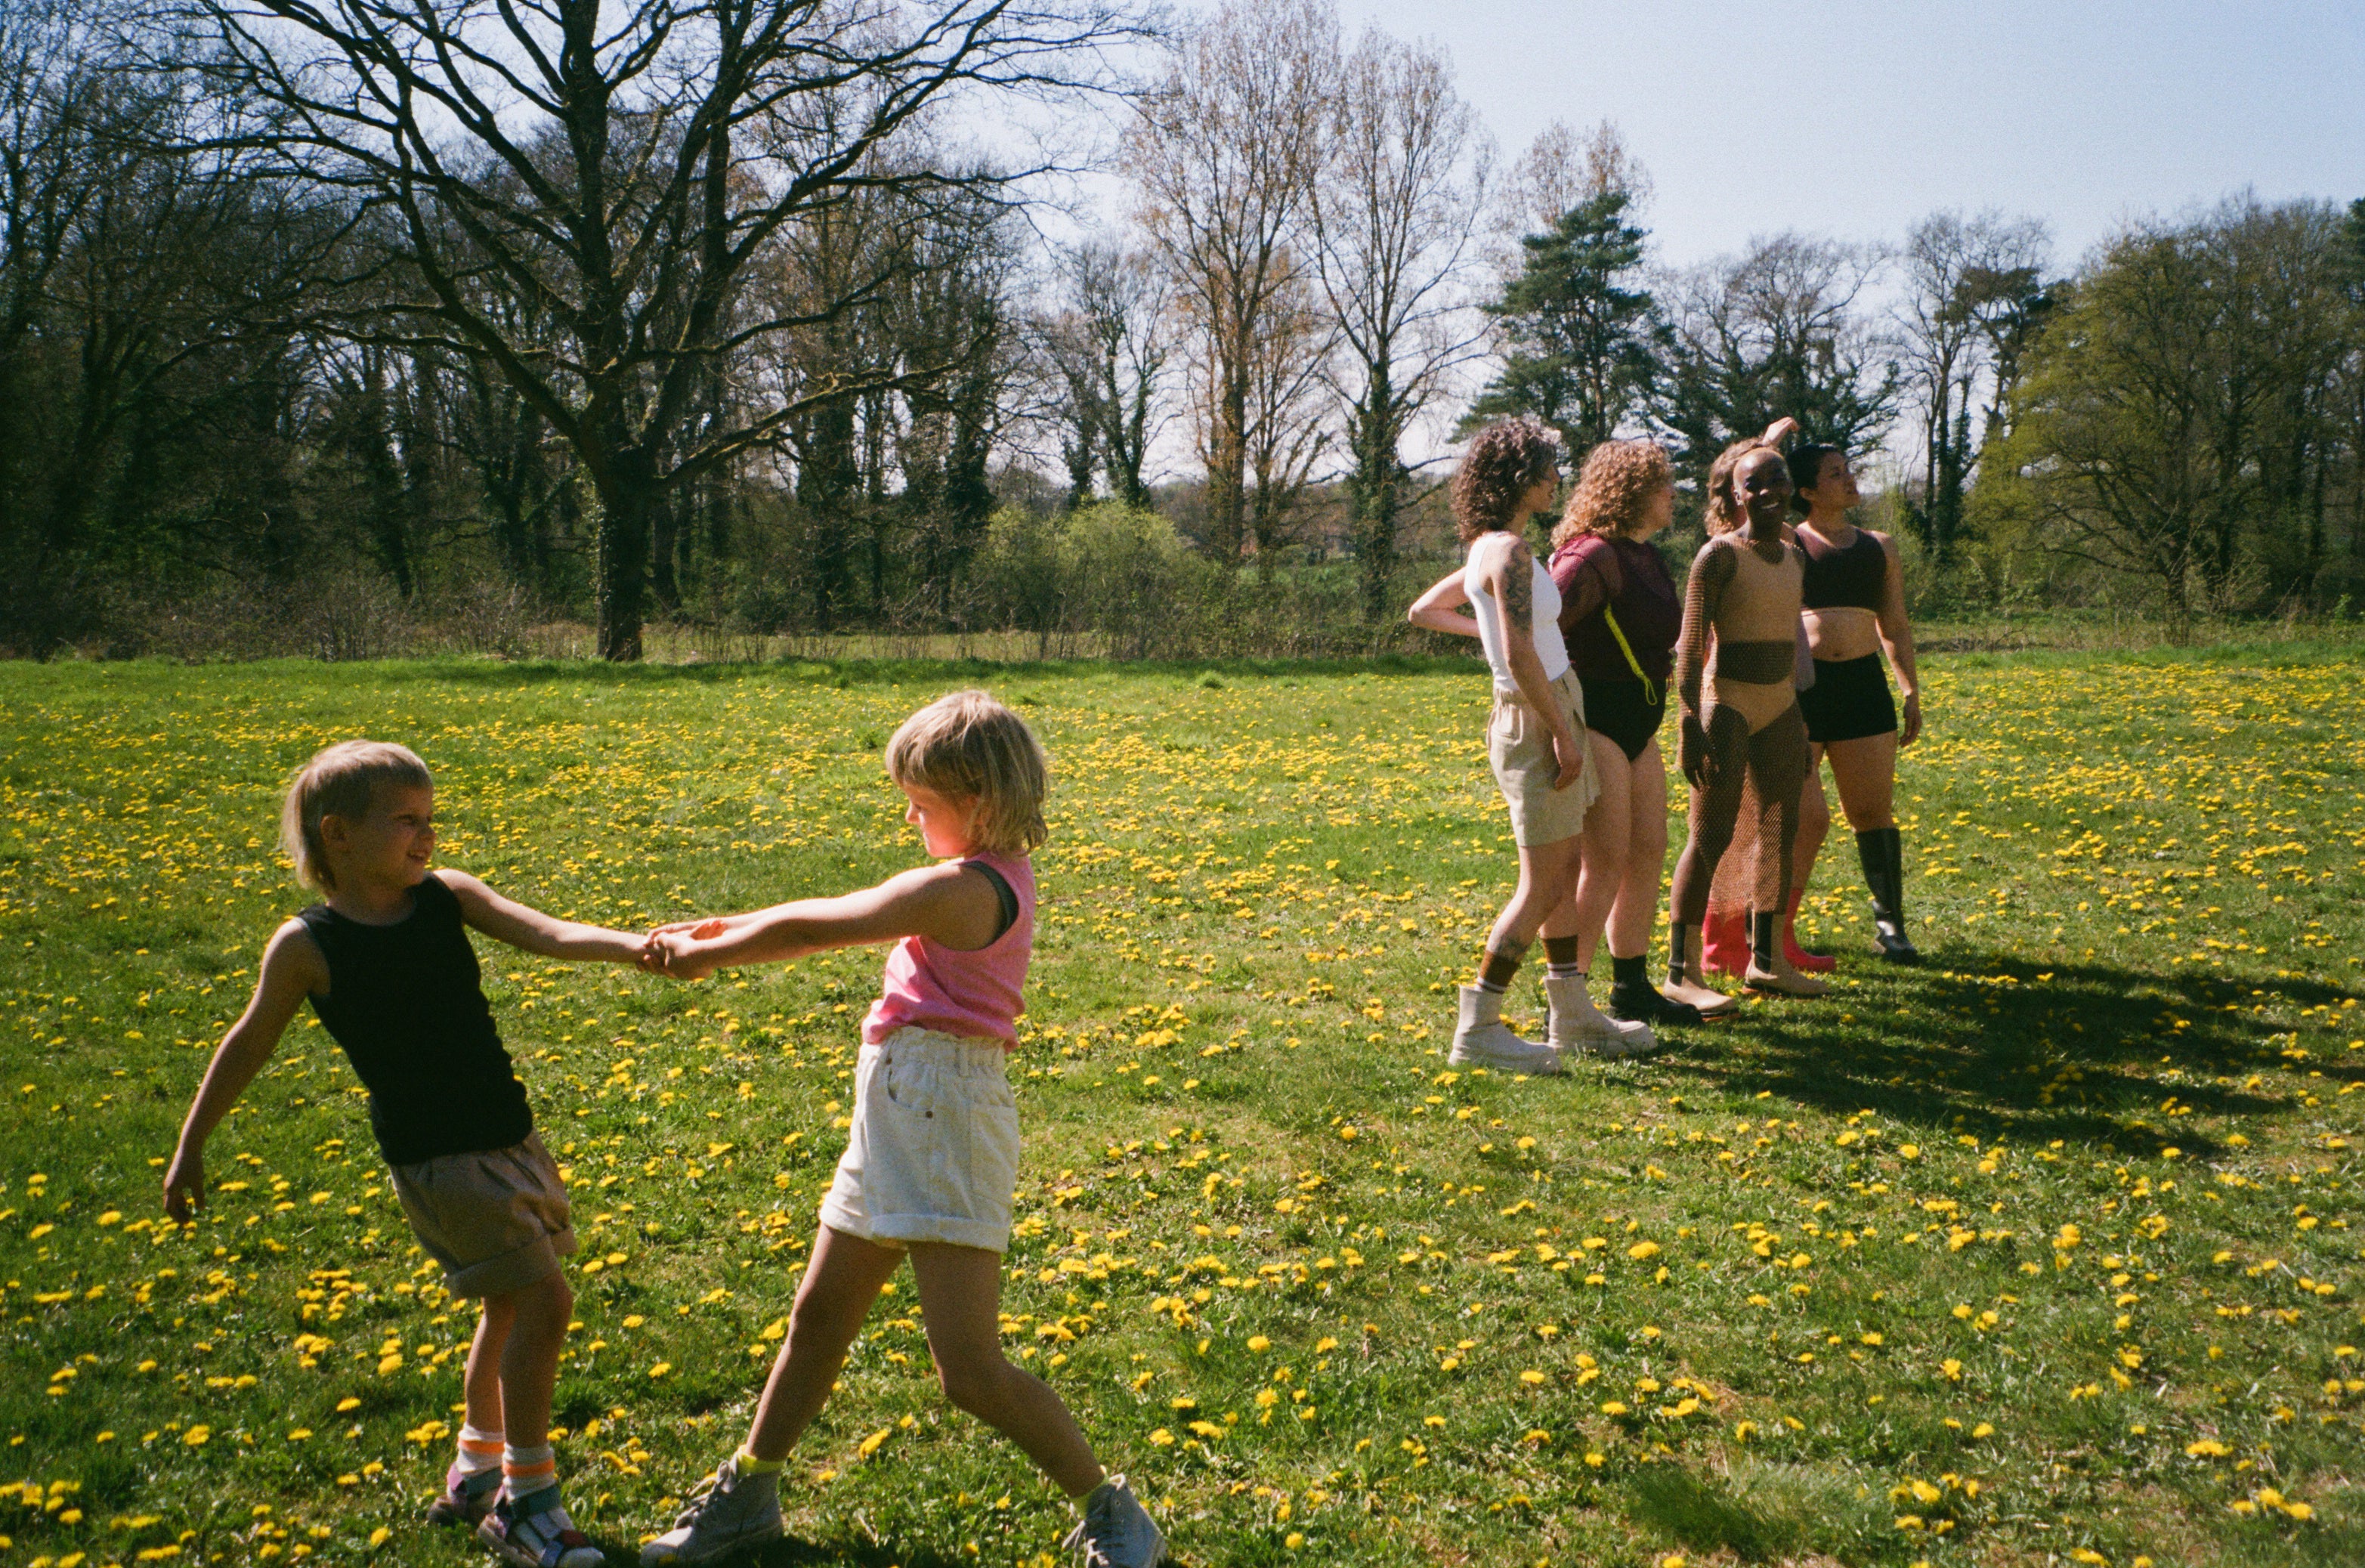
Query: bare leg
[(961, 1303), (1814, 822), (1866, 772), (1637, 908), (1547, 877), (833, 1299), (481, 1386), (1608, 837), (530, 1358)]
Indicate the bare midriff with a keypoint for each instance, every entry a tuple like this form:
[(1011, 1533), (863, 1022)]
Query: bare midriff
[(1842, 632)]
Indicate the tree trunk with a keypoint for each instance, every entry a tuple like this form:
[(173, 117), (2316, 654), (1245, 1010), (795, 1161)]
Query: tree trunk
[(665, 540), (1373, 491), (628, 502)]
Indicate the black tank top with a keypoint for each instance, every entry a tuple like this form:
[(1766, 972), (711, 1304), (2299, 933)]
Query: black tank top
[(406, 1002), (1854, 576)]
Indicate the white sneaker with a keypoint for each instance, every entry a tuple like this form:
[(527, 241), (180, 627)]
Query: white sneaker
[(1579, 1028), (1481, 1038), (727, 1512), (1116, 1531)]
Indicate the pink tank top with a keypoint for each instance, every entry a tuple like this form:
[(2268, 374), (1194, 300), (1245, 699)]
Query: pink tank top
[(978, 995)]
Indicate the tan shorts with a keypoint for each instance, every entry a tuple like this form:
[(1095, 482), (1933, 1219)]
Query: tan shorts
[(934, 1151), (1518, 742), (496, 1219)]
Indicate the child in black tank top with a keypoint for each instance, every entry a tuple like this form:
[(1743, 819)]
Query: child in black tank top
[(386, 963)]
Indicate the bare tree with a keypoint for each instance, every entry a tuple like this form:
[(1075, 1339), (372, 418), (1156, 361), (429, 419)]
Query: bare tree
[(1395, 212), (1775, 332), (1958, 271), (1107, 343), (1562, 169), (1223, 152), (1288, 426), (623, 165)]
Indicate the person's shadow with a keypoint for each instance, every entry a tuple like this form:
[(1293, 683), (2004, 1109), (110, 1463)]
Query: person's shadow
[(1992, 1044)]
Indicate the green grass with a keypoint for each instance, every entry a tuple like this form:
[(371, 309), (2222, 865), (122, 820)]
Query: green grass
[(2060, 1228)]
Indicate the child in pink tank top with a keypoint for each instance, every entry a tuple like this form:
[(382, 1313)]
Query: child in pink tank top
[(975, 994), (931, 1161)]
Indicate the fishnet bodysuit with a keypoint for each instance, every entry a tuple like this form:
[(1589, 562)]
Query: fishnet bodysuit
[(1755, 736)]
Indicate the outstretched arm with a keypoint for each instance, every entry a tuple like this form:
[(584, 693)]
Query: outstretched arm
[(1440, 607), (292, 968), (521, 926), (1896, 635), (947, 902)]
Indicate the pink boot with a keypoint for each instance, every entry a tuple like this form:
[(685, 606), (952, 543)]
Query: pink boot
[(1812, 963), (1725, 944)]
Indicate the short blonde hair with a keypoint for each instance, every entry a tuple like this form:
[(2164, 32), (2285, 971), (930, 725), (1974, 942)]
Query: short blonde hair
[(1613, 490), (342, 780), (968, 746)]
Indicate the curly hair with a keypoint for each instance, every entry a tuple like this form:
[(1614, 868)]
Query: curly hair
[(1613, 489), (1725, 512), (1501, 463)]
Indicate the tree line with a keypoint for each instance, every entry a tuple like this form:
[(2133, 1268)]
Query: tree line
[(721, 309)]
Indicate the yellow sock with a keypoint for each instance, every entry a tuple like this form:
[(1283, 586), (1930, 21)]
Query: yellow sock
[(750, 1465)]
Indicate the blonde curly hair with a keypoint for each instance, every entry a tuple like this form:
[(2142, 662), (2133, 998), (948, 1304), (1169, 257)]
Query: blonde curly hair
[(1613, 491)]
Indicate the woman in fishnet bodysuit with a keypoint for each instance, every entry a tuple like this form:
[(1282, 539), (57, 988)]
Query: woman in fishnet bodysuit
[(1744, 725)]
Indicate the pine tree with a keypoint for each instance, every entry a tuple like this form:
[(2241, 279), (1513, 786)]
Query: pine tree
[(1579, 343)]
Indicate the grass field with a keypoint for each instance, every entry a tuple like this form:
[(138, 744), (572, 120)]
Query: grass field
[(2045, 1251)]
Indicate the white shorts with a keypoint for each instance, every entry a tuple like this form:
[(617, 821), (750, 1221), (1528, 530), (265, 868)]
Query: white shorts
[(933, 1155)]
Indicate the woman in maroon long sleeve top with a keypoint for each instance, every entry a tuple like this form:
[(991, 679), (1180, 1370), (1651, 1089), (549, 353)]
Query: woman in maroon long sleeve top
[(1607, 571)]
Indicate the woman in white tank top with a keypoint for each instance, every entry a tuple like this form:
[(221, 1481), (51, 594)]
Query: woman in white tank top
[(1535, 738)]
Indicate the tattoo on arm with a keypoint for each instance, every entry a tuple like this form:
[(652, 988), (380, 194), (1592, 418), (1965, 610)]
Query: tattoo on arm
[(1520, 589)]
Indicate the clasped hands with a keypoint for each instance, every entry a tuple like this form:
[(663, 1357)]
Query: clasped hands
[(679, 949)]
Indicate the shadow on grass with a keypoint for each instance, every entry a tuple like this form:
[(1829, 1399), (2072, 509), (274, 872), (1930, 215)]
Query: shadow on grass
[(1996, 1046)]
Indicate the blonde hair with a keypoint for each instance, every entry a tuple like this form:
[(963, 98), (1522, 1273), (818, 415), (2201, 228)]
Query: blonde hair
[(1613, 490), (1724, 510), (967, 746), (342, 780)]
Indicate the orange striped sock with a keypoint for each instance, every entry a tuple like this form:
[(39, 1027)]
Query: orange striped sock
[(527, 1472), (479, 1450)]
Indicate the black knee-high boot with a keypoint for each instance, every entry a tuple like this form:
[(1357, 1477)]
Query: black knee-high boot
[(1881, 852)]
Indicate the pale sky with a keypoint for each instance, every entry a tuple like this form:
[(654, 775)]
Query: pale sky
[(1853, 118)]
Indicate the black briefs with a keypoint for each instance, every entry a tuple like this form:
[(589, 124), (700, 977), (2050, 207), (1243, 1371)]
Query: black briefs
[(1849, 700), (1619, 709)]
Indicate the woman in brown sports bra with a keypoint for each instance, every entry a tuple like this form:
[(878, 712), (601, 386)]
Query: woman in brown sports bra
[(1745, 589)]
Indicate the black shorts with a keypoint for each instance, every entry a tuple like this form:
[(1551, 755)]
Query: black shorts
[(1849, 700), (1620, 710)]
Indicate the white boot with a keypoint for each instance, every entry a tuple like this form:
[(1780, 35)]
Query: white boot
[(1578, 1026), (1481, 1038)]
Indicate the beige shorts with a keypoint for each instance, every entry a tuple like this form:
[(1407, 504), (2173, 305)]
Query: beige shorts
[(1518, 742), (496, 1219), (933, 1152)]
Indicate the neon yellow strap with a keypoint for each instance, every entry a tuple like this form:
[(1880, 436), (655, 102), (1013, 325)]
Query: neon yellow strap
[(1650, 688)]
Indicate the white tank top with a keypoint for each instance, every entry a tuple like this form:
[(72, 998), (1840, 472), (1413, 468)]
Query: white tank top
[(1550, 647)]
